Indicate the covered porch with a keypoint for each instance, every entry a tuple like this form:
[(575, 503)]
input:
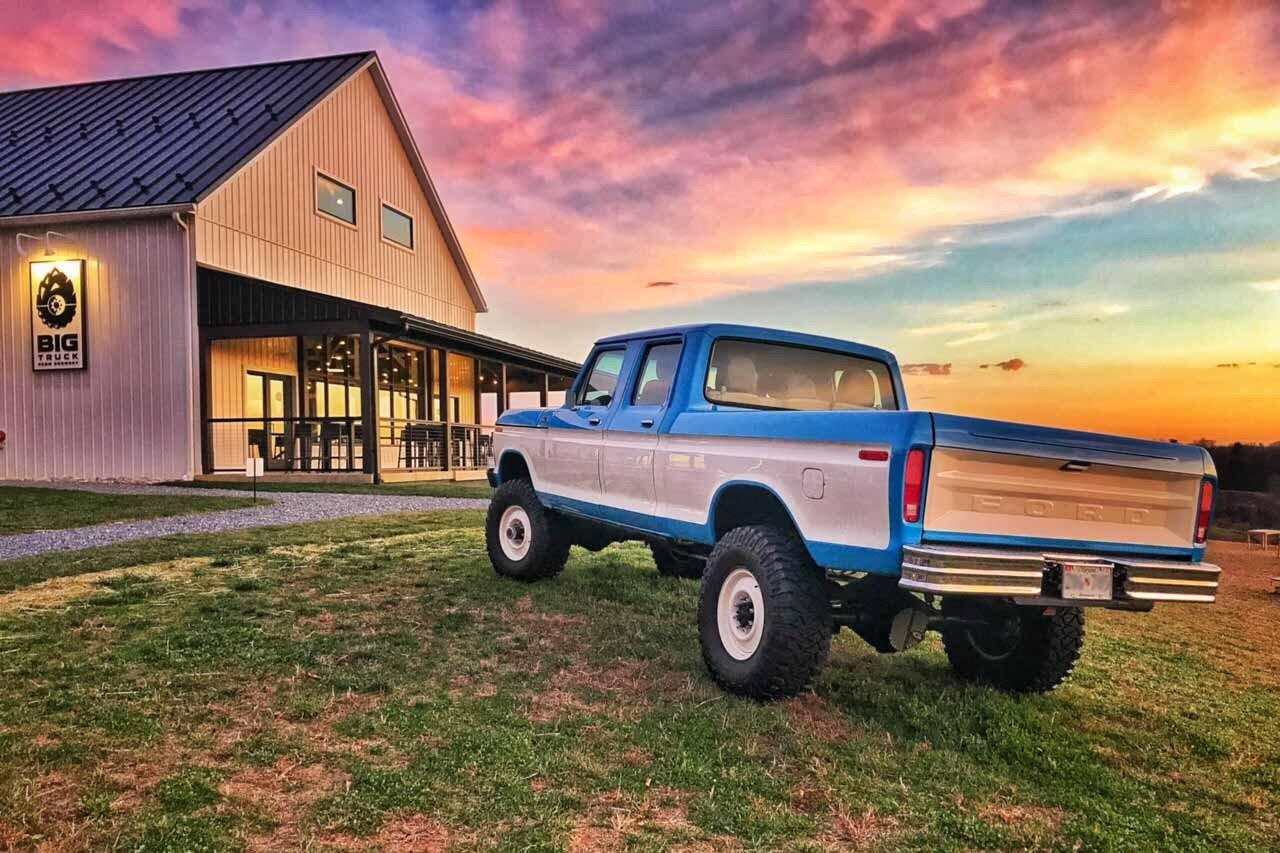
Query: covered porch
[(325, 388)]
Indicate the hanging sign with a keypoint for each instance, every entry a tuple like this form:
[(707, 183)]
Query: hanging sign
[(57, 315)]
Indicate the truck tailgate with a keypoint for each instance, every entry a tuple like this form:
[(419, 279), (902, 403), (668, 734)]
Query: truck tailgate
[(1004, 483)]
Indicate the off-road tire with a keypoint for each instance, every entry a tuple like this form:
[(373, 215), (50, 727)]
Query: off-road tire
[(796, 629), (548, 542), (673, 564), (1045, 653)]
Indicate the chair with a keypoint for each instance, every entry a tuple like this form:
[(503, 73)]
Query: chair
[(335, 438), (415, 442)]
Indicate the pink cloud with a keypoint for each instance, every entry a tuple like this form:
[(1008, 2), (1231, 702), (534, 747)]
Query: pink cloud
[(71, 41)]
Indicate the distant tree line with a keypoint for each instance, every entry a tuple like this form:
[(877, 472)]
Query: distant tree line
[(1246, 467), (1249, 477)]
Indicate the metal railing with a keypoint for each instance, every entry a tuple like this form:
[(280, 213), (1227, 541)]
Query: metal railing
[(420, 445), (316, 445), (335, 445)]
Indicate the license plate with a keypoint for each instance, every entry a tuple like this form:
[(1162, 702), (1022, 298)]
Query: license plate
[(1086, 581)]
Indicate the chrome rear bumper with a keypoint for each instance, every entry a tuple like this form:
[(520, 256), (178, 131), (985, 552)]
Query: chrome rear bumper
[(1034, 574)]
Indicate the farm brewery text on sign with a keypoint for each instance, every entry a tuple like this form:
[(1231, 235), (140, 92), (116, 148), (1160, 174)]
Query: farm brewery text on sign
[(57, 315)]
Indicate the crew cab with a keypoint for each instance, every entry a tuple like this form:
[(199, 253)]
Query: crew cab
[(787, 472)]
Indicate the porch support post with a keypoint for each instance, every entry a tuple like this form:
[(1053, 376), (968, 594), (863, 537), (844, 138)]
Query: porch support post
[(544, 390), (206, 406), (369, 404), (502, 387), (446, 406)]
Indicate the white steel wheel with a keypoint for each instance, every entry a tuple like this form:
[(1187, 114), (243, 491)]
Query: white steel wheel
[(740, 614), (516, 532)]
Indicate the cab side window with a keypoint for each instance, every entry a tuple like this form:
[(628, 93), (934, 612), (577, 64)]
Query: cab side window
[(602, 379), (656, 375)]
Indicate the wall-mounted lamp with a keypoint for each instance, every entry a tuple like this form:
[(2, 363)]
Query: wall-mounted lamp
[(48, 241)]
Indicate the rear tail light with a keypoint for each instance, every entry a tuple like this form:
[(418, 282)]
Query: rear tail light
[(913, 486), (1204, 511)]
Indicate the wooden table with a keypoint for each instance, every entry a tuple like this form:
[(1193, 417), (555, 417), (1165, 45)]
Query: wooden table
[(1264, 538)]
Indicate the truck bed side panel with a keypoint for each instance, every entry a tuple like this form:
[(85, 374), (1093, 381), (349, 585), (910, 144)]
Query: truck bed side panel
[(843, 505)]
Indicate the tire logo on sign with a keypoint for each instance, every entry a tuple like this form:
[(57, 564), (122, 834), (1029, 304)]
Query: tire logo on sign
[(58, 305), (56, 300)]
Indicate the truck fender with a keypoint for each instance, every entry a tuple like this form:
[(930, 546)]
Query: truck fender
[(741, 502), (512, 465)]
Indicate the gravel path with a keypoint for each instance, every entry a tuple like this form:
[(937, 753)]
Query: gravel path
[(285, 508)]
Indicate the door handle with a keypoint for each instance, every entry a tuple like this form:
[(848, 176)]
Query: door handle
[(593, 421), (646, 423)]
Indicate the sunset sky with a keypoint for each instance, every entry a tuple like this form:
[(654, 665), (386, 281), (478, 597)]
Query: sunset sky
[(1060, 213)]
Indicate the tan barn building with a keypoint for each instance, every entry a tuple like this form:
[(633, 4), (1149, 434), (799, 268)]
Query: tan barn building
[(202, 268)]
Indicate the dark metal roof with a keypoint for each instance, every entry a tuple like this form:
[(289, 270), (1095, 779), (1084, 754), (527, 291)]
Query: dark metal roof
[(228, 301), (163, 140), (486, 345)]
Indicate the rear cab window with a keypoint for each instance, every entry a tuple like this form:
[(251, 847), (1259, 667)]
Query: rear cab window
[(657, 373), (787, 377), (601, 384)]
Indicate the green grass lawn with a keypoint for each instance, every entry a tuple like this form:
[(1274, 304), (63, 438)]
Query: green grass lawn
[(372, 684), (23, 509), (431, 489)]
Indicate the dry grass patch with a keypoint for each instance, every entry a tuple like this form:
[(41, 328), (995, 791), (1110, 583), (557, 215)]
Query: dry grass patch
[(49, 799), (282, 793), (59, 592), (811, 715), (614, 820), (321, 623), (629, 687), (866, 831), (415, 834), (134, 773), (1031, 824), (808, 798)]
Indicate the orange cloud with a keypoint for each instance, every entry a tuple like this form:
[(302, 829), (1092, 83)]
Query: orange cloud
[(926, 369)]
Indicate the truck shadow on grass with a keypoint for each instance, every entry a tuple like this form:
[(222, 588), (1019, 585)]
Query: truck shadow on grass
[(371, 684)]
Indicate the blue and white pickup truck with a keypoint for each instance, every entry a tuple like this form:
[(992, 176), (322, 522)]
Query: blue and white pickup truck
[(786, 471)]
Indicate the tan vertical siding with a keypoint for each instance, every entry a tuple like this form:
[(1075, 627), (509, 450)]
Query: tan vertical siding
[(129, 414), (229, 361), (262, 223)]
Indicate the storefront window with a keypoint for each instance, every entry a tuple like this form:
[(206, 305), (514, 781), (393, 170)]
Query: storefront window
[(400, 382), (331, 366)]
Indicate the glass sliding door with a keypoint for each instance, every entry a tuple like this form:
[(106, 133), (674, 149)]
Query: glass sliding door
[(405, 439), (332, 401), (400, 383), (268, 406)]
